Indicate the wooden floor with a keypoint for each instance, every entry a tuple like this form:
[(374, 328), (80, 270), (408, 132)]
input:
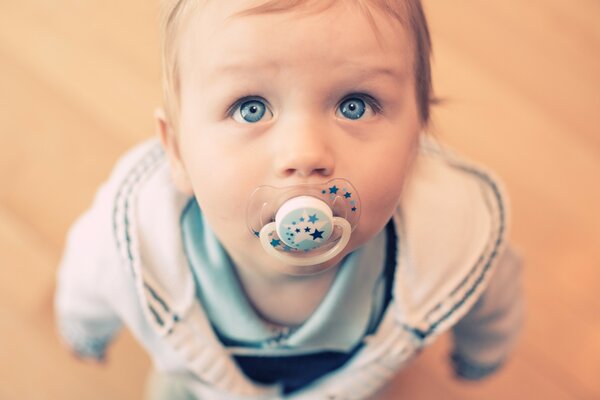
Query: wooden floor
[(521, 79)]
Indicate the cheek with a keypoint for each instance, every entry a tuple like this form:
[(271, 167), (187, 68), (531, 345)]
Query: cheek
[(208, 175), (381, 186), (222, 201), (218, 192), (222, 184), (379, 203)]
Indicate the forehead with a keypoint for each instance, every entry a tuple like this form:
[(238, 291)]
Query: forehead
[(229, 34)]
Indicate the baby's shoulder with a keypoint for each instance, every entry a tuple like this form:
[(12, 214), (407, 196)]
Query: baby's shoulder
[(453, 220), (97, 242), (445, 178), (146, 210)]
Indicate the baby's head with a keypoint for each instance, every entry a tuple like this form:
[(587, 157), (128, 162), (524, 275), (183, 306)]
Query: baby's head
[(287, 92), (175, 15)]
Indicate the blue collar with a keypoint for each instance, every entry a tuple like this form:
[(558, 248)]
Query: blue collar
[(354, 301)]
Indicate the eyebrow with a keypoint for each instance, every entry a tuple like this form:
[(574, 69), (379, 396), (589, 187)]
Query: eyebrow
[(233, 68), (361, 71), (371, 72)]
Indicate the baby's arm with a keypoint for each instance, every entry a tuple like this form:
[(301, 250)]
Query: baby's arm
[(87, 281), (485, 336)]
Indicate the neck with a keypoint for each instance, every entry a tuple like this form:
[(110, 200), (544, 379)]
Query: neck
[(281, 298)]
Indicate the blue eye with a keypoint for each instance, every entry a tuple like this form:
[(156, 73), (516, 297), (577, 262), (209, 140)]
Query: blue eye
[(353, 108), (250, 111)]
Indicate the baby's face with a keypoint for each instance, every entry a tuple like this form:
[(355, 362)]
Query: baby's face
[(289, 98)]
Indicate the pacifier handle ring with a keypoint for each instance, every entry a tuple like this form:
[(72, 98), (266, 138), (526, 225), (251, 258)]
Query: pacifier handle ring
[(307, 261)]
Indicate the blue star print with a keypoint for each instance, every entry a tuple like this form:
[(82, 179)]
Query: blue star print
[(313, 218), (333, 190), (275, 242), (348, 195), (317, 234)]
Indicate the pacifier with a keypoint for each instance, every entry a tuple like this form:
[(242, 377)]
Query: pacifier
[(304, 225)]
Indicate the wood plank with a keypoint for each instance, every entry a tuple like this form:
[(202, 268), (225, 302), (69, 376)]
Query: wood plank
[(56, 153), (527, 47), (34, 364), (548, 164), (80, 70), (37, 366), (516, 380), (28, 265), (554, 201), (563, 343)]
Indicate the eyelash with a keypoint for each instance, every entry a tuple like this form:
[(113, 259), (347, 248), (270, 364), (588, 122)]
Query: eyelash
[(368, 99), (234, 107)]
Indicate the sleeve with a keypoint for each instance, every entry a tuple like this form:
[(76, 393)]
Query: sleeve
[(85, 318), (484, 337)]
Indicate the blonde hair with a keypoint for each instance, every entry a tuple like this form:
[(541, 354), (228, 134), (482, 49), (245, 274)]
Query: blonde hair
[(175, 14)]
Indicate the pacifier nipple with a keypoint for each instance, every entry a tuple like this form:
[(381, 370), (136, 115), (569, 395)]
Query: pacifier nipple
[(304, 225)]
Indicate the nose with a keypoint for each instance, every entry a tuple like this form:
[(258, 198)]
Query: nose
[(303, 149)]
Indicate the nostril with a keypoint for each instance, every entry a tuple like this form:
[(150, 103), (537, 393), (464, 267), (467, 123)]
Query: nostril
[(288, 172), (307, 172)]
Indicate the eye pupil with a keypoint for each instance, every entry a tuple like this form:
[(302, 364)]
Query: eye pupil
[(353, 108), (252, 111)]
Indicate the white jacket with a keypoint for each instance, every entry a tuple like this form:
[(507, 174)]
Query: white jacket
[(125, 263)]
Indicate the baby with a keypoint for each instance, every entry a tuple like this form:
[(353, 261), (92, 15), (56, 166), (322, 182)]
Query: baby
[(294, 233)]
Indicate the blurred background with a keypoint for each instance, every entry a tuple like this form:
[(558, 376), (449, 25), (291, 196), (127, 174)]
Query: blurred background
[(79, 81)]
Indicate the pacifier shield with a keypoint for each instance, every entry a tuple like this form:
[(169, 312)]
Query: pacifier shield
[(304, 225)]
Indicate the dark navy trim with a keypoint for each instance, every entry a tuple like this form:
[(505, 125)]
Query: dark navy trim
[(156, 297), (389, 272), (157, 317), (131, 179), (293, 372)]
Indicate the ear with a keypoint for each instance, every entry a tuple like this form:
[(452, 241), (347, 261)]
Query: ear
[(169, 142)]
